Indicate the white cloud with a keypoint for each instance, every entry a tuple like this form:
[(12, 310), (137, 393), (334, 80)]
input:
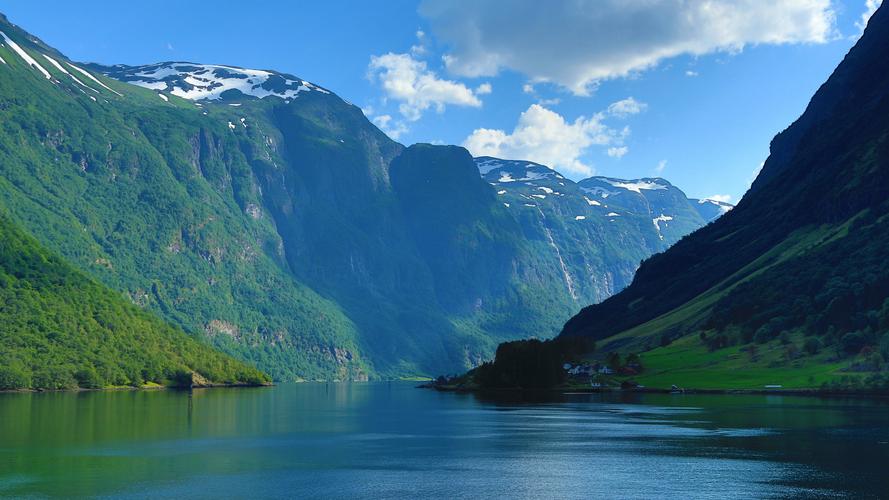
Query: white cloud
[(576, 44), (691, 73), (870, 6), (528, 88), (626, 107), (661, 165), (409, 81), (420, 50), (617, 151), (393, 129), (483, 89), (545, 136), (725, 198)]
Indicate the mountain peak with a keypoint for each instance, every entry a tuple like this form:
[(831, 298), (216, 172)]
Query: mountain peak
[(211, 82)]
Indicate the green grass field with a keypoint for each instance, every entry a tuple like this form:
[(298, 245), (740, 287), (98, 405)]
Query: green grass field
[(687, 363)]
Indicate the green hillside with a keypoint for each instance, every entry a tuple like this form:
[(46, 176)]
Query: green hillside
[(62, 330)]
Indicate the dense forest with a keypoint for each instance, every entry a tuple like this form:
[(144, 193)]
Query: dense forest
[(62, 330)]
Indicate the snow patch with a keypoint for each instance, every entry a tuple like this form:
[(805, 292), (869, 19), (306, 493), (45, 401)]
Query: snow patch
[(165, 98), (612, 214), (579, 217), (63, 70), (545, 189), (210, 81), (502, 191), (725, 207), (592, 202), (486, 166), (91, 77), (657, 223), (635, 186), (24, 55), (599, 191)]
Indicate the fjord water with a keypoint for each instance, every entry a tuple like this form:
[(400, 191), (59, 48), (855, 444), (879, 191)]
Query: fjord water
[(390, 440)]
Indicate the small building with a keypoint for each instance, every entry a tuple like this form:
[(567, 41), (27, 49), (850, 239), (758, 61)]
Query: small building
[(581, 370)]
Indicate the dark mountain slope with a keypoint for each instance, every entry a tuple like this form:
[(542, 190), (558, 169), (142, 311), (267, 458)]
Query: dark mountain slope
[(801, 251)]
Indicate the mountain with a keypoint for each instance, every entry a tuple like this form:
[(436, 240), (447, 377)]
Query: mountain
[(267, 215), (63, 330), (711, 210), (791, 286), (598, 229)]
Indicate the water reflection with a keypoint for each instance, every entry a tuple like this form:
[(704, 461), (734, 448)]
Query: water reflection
[(391, 440)]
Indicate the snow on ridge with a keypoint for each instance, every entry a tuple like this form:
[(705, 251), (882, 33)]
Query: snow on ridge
[(150, 85), (593, 203), (598, 191), (725, 207), (209, 81), (487, 165), (612, 214), (91, 77), (636, 186), (508, 168), (24, 55), (65, 71)]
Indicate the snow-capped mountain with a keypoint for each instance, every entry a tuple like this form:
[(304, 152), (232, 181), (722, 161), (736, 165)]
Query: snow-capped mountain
[(210, 82), (711, 210), (599, 228)]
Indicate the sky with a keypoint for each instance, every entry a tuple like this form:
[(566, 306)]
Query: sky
[(689, 91)]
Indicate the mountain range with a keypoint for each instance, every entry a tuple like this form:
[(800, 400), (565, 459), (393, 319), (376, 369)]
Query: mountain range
[(266, 216), (791, 287)]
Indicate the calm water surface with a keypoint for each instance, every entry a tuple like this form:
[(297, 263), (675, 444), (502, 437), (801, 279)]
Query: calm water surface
[(384, 440)]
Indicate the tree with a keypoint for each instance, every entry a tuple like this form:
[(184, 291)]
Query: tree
[(613, 361), (812, 345)]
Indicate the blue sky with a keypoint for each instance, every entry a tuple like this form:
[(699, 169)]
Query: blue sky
[(711, 83)]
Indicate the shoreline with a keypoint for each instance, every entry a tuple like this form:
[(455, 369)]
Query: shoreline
[(133, 389), (724, 392)]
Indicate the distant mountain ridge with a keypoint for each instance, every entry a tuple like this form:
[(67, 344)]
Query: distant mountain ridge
[(268, 216), (599, 228)]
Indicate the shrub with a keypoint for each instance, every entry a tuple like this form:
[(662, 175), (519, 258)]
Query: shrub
[(764, 334), (853, 342), (88, 378), (812, 346), (14, 378)]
